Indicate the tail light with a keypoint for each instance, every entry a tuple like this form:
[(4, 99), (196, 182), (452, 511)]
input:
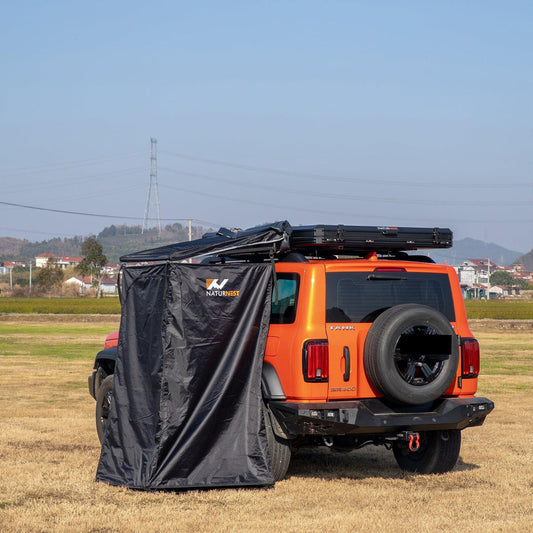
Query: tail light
[(470, 349), (316, 361)]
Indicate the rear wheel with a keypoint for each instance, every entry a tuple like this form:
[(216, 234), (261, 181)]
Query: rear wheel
[(103, 404), (438, 452), (279, 449)]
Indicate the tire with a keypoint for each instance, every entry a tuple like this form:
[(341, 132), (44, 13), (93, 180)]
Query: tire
[(402, 362), (279, 449), (438, 452), (103, 403)]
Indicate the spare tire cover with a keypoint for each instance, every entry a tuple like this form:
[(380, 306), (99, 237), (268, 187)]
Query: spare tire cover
[(411, 354)]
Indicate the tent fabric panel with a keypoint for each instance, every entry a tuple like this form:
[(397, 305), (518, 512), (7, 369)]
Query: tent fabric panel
[(212, 427), (128, 450), (187, 407)]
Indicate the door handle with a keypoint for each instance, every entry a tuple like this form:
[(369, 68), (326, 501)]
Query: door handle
[(346, 363)]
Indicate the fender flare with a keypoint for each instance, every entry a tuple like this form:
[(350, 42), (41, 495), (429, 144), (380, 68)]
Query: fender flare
[(109, 355), (104, 365), (270, 384)]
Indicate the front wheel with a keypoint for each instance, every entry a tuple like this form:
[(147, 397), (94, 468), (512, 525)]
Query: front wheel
[(103, 404), (438, 452)]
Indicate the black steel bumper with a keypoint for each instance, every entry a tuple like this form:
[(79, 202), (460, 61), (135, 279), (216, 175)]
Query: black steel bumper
[(375, 417)]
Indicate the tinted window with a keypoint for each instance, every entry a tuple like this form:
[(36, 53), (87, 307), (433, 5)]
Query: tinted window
[(362, 296), (284, 309)]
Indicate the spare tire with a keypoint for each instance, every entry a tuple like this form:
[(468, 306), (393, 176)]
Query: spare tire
[(411, 354)]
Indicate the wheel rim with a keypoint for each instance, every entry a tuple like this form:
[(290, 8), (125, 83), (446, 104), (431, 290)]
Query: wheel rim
[(417, 369)]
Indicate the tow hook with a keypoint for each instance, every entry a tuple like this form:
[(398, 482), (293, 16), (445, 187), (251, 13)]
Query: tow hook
[(412, 438)]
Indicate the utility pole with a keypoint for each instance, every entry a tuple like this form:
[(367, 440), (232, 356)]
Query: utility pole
[(190, 235), (152, 202), (30, 275), (488, 279)]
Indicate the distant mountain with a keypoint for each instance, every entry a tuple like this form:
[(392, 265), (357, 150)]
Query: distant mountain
[(115, 240), (12, 249), (122, 239), (526, 260), (464, 249)]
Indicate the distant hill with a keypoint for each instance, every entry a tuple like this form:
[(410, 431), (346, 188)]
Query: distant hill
[(526, 260), (464, 249), (12, 249), (121, 240), (115, 240)]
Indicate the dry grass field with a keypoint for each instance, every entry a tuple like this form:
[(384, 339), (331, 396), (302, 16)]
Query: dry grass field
[(49, 453)]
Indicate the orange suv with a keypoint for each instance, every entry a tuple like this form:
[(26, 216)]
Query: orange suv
[(366, 345)]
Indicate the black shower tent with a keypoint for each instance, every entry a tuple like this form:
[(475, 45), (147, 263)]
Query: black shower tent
[(187, 407)]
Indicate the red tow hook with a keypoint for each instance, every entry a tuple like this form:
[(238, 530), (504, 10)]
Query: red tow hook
[(411, 438), (414, 441)]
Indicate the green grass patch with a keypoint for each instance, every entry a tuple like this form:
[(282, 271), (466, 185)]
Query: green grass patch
[(503, 310), (70, 332), (518, 310), (68, 306), (507, 363), (17, 347)]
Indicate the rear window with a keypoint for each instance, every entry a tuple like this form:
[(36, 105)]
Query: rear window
[(362, 296), (284, 307)]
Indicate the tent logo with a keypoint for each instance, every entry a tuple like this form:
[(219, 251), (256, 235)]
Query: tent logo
[(214, 287)]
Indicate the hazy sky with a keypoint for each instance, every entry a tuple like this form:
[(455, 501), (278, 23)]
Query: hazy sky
[(368, 113)]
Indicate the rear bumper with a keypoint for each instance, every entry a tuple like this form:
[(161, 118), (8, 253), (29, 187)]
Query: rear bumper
[(375, 417)]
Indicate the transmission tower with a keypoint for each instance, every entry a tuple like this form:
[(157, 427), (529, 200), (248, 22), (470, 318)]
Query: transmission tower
[(152, 202)]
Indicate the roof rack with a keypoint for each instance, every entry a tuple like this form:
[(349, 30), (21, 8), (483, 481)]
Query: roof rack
[(353, 240)]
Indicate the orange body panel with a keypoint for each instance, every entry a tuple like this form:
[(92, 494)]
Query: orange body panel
[(310, 323)]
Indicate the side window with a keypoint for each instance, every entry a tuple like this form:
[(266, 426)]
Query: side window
[(284, 308)]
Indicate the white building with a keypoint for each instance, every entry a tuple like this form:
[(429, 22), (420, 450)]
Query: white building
[(62, 262), (85, 283)]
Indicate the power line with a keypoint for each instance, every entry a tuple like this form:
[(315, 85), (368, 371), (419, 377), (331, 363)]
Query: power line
[(100, 193), (17, 230), (97, 215), (69, 164), (350, 179), (90, 178), (291, 208), (356, 198)]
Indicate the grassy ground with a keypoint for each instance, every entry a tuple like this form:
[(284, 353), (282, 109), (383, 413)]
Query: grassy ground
[(49, 453), (500, 309), (70, 306), (497, 309)]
